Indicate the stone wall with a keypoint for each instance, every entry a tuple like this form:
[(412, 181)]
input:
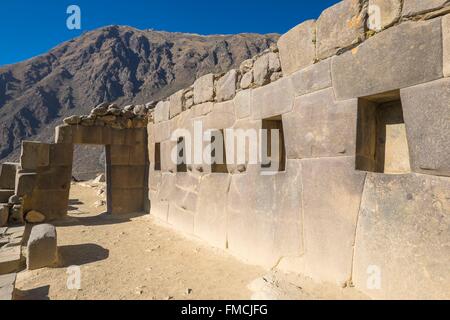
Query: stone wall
[(357, 197)]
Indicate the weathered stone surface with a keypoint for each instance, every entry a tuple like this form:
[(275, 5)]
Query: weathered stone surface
[(242, 104), (319, 126), (403, 232), (383, 13), (181, 219), (272, 100), (127, 200), (42, 247), (54, 178), (8, 175), (34, 155), (312, 78), (297, 47), (202, 109), (176, 104), (91, 135), (204, 89), (16, 214), (274, 62), (7, 285), (247, 80), (408, 54), (226, 86), (34, 216), (54, 207), (339, 26), (4, 215), (271, 205), (246, 66), (5, 194), (221, 117), (63, 134), (128, 176), (210, 221), (261, 75), (25, 183), (162, 111), (11, 259), (332, 191), (426, 111), (446, 44), (72, 120), (61, 154), (415, 7)]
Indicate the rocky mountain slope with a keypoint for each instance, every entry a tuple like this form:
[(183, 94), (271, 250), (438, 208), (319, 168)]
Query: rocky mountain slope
[(112, 64)]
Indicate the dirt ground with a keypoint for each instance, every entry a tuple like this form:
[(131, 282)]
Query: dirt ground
[(139, 258)]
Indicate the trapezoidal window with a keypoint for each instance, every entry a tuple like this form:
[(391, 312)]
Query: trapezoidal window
[(273, 150), (181, 153), (382, 144), (218, 152), (157, 156)]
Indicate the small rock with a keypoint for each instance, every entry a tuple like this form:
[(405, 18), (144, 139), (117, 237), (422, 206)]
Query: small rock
[(188, 291), (34, 217), (246, 66), (100, 110), (247, 80), (129, 108)]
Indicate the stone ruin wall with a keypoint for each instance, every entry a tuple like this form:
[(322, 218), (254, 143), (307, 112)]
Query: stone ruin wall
[(365, 186), (365, 117)]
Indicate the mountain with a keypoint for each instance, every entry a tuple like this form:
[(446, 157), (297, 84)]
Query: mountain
[(113, 64)]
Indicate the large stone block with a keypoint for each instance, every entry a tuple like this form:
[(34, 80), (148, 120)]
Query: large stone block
[(204, 89), (408, 54), (415, 7), (90, 135), (34, 155), (221, 117), (167, 163), (5, 194), (4, 214), (176, 104), (402, 237), (42, 247), (61, 154), (7, 286), (338, 27), (128, 176), (162, 111), (265, 216), (297, 47), (11, 259), (383, 13), (159, 209), (426, 111), (446, 44), (54, 207), (332, 192), (320, 127), (202, 109), (54, 178), (272, 100), (25, 184), (226, 86), (181, 219), (261, 75), (64, 134), (127, 201), (162, 131), (8, 175), (242, 104), (312, 78), (210, 221)]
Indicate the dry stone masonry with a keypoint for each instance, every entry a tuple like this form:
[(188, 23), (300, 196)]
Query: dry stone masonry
[(360, 102)]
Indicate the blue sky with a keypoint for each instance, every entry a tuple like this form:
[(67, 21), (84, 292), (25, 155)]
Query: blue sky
[(29, 28)]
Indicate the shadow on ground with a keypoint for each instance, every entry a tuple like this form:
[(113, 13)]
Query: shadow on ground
[(40, 293), (102, 219), (78, 255)]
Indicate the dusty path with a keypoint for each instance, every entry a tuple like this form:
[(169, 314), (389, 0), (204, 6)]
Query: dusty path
[(134, 258), (138, 258)]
